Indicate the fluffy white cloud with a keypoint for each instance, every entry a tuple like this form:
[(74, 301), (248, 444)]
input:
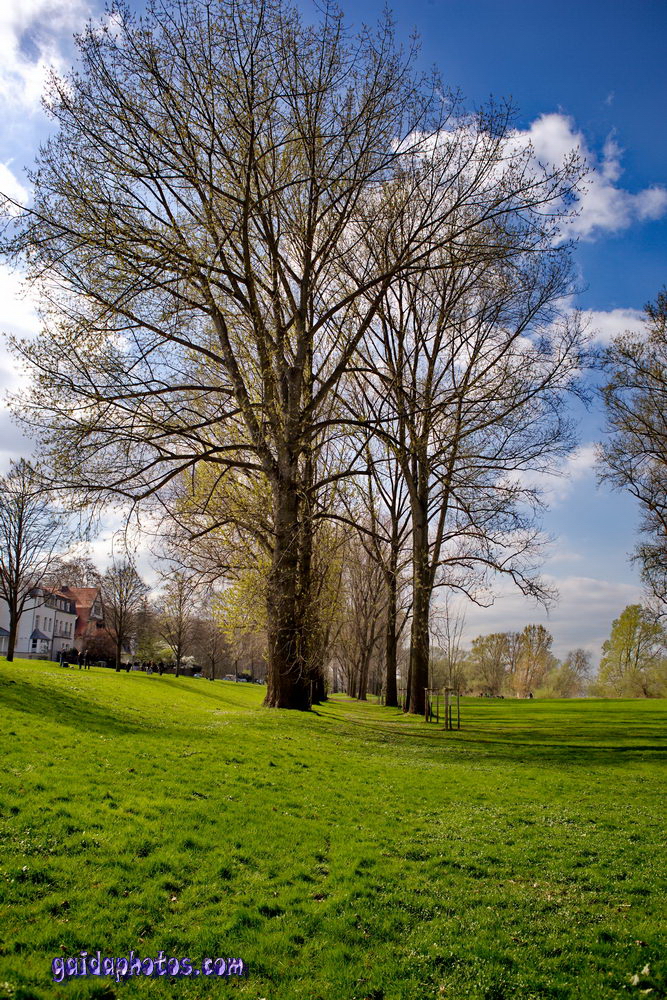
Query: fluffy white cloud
[(603, 206), (603, 326), (34, 36)]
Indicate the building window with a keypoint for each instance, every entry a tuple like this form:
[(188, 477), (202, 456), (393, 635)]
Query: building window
[(36, 621)]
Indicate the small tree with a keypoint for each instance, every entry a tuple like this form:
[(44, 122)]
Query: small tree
[(176, 614), (123, 592), (488, 661), (209, 644), (148, 644), (534, 661), (569, 679), (634, 658), (31, 531)]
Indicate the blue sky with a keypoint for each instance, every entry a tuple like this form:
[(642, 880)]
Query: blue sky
[(589, 74)]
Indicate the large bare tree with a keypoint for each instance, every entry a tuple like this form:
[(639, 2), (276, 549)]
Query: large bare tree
[(468, 366), (196, 226)]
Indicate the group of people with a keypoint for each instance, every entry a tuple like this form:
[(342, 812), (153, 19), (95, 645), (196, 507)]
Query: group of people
[(72, 657), (148, 666)]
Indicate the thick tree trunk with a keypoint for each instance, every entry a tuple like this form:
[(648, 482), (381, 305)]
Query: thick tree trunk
[(391, 693), (363, 676), (421, 598), (288, 679), (13, 631)]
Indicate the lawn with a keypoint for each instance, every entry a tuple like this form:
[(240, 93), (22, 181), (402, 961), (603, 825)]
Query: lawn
[(350, 853)]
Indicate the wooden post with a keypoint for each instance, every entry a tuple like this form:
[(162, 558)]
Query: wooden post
[(426, 705), (437, 707), (458, 710), (446, 708)]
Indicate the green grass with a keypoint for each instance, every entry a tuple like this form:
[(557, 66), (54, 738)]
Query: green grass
[(347, 854)]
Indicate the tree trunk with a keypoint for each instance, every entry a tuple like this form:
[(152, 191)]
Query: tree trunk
[(288, 679), (408, 685), (391, 693), (363, 675), (421, 598), (13, 630)]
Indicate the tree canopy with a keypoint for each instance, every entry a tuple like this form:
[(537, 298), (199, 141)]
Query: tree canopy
[(231, 203)]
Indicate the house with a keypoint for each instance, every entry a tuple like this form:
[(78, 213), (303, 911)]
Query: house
[(46, 627), (89, 615)]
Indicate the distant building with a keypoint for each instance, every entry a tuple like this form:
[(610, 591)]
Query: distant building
[(46, 627)]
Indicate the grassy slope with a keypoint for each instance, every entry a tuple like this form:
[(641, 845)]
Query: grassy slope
[(348, 853)]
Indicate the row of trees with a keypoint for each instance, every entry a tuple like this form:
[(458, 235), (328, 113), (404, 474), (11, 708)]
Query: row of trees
[(291, 287), (633, 663), (184, 619), (177, 621)]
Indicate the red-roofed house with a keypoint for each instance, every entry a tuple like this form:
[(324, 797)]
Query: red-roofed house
[(89, 615)]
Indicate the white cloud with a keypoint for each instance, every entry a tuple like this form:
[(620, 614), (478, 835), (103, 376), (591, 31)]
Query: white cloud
[(34, 37), (603, 205), (17, 316), (603, 326), (11, 186)]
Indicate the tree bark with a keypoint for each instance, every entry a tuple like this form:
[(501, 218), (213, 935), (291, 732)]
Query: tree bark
[(419, 646), (13, 629), (288, 680), (391, 693)]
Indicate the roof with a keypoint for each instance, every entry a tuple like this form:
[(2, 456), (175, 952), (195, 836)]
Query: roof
[(3, 632), (84, 599), (84, 596), (36, 634)]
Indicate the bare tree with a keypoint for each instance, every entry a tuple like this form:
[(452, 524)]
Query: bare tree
[(447, 625), (194, 227), (73, 571), (364, 606), (123, 592), (635, 455), (473, 357), (209, 643), (379, 511), (31, 532), (176, 613), (571, 677)]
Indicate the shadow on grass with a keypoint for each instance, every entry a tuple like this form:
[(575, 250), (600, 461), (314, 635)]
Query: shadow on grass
[(608, 745), (65, 709)]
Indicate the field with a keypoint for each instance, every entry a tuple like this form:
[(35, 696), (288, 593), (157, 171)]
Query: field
[(346, 854)]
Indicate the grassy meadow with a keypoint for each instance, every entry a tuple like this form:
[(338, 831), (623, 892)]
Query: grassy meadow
[(350, 853)]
